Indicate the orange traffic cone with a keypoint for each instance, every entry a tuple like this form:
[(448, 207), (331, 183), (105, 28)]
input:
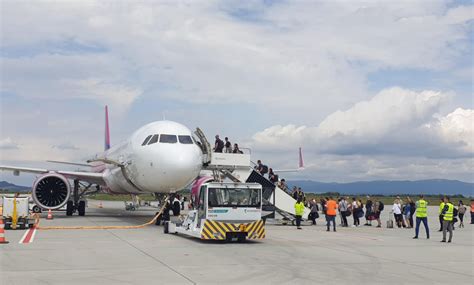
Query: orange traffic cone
[(2, 232), (50, 215), (100, 205)]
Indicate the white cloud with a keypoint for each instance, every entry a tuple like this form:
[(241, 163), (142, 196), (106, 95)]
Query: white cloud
[(395, 121), (8, 143), (286, 55), (457, 128)]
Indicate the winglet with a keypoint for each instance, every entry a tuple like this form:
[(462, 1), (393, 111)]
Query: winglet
[(107, 130), (301, 165)]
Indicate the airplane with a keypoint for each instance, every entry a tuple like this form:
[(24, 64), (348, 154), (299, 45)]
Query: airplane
[(160, 157)]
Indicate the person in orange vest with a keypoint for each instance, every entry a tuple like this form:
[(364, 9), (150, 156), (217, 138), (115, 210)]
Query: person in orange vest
[(331, 211), (472, 211)]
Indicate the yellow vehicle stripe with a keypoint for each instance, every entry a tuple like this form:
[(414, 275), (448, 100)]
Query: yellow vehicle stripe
[(216, 228), (252, 228), (206, 233), (255, 230), (228, 227)]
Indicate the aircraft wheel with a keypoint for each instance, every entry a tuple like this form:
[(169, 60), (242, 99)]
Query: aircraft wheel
[(82, 208), (36, 209), (69, 208)]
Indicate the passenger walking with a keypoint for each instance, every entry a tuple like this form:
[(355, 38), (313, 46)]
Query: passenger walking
[(378, 208), (397, 212), (323, 205), (314, 211), (472, 211), (283, 186), (228, 145), (355, 212), (261, 168), (237, 149), (343, 210), (441, 207), (299, 211), (448, 214), (294, 193), (412, 211), (331, 211), (218, 145), (406, 214), (272, 176), (368, 212), (300, 194), (421, 216), (461, 211)]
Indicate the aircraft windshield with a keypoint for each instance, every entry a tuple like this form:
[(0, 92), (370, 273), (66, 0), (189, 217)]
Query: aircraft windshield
[(234, 197)]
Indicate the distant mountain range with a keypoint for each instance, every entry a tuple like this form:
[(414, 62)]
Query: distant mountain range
[(385, 187), (388, 187), (4, 185)]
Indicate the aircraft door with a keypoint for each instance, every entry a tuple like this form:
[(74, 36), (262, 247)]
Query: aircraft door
[(202, 205)]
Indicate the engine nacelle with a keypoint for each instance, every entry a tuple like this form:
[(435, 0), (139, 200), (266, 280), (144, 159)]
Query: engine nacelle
[(51, 191)]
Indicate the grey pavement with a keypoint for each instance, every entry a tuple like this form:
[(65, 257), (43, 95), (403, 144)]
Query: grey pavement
[(363, 255)]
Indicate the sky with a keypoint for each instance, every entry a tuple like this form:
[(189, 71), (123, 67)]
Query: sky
[(370, 90)]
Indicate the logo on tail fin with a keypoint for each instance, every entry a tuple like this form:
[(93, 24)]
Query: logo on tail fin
[(107, 131)]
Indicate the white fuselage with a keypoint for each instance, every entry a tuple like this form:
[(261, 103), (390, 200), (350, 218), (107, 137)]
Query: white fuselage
[(160, 157)]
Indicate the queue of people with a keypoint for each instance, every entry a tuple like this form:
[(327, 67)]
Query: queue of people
[(403, 213)]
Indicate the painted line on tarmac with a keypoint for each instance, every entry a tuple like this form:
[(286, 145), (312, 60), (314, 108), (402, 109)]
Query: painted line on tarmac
[(29, 236)]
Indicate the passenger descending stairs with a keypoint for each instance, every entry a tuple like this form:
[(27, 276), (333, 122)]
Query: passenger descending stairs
[(275, 199)]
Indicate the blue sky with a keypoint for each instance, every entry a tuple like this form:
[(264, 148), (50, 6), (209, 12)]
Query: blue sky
[(370, 90)]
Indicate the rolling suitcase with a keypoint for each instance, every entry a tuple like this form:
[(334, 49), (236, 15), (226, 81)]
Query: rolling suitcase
[(390, 221)]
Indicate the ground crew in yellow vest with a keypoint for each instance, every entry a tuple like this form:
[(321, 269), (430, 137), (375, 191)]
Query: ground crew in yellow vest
[(421, 216), (448, 213), (299, 211), (441, 207)]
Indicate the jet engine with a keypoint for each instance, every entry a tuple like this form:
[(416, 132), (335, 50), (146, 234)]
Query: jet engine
[(51, 191)]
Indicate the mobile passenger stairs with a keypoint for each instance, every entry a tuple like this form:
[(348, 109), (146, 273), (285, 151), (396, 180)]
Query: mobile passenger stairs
[(277, 204)]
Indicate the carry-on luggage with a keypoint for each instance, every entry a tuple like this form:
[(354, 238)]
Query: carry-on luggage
[(390, 221)]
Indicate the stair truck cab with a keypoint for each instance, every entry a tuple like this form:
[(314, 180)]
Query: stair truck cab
[(228, 211)]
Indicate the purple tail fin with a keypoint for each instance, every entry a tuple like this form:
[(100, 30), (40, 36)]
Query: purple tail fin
[(301, 162), (107, 130)]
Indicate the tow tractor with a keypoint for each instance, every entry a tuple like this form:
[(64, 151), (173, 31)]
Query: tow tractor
[(227, 211)]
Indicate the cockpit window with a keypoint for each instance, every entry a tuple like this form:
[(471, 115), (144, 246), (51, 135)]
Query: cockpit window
[(168, 139), (153, 140), (185, 139), (146, 140)]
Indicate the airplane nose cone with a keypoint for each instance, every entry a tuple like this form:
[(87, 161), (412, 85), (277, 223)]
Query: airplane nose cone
[(183, 168)]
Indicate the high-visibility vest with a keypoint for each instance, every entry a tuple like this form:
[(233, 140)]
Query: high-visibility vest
[(299, 209), (421, 209), (441, 207), (448, 216), (331, 207)]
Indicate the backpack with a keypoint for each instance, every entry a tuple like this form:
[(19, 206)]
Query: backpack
[(176, 208), (455, 212), (220, 144), (264, 169), (381, 206)]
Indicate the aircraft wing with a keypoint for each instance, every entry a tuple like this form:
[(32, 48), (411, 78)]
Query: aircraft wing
[(91, 177), (287, 170)]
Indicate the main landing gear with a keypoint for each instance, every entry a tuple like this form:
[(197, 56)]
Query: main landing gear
[(78, 202)]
